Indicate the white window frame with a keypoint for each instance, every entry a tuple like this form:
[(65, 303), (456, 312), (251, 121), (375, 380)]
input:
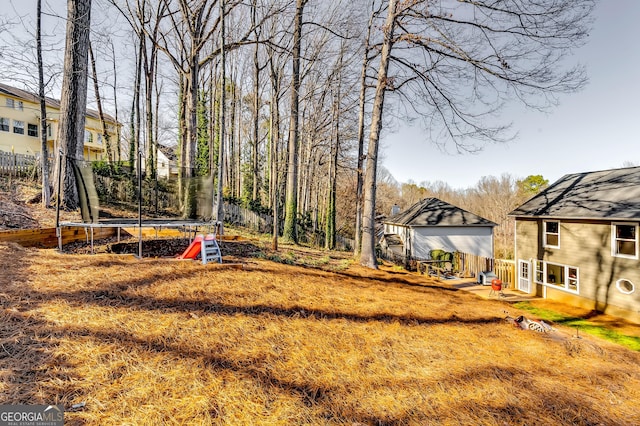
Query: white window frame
[(545, 233), (10, 103), (5, 122), (18, 125), (568, 279), (614, 240), (622, 290), (20, 106), (538, 268)]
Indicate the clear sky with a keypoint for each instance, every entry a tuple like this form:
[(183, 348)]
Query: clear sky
[(595, 129)]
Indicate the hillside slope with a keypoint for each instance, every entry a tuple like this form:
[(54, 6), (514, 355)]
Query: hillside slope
[(166, 342)]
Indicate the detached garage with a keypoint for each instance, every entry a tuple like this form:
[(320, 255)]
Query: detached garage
[(432, 224)]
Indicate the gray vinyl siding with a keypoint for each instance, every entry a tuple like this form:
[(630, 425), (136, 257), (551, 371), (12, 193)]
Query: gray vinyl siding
[(587, 246)]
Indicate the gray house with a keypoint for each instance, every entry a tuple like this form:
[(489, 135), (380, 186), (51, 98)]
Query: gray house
[(577, 241), (432, 224)]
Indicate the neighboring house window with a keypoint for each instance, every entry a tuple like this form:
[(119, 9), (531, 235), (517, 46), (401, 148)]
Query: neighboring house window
[(552, 234), (88, 137), (18, 127), (624, 240), (4, 124), (49, 130), (19, 105), (32, 130), (99, 139)]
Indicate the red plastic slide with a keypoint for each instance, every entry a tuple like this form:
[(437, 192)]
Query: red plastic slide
[(193, 250)]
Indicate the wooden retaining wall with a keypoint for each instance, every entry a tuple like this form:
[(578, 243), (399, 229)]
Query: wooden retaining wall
[(46, 237)]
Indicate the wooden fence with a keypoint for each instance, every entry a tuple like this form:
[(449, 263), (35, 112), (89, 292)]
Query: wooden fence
[(237, 215), (473, 265), (17, 164)]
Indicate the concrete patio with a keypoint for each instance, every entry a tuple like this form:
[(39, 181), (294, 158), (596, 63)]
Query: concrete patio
[(470, 284)]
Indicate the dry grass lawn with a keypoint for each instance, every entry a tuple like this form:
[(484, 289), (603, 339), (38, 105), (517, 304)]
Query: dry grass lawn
[(159, 341)]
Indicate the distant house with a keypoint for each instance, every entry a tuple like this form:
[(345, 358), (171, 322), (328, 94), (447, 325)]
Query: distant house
[(432, 224), (577, 241), (167, 162), (20, 126)]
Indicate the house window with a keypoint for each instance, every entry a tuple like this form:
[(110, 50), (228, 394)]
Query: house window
[(552, 234), (625, 286), (539, 265), (4, 124), (99, 139), (20, 105), (32, 130), (49, 131), (624, 240), (10, 103), (18, 127), (88, 137), (563, 277), (555, 274), (572, 278)]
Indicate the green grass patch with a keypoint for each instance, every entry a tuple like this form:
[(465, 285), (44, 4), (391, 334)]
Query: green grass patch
[(583, 325)]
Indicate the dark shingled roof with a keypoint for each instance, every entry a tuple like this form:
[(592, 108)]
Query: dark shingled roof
[(435, 212), (606, 194)]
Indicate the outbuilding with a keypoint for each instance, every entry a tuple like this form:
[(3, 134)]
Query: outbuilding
[(433, 224)]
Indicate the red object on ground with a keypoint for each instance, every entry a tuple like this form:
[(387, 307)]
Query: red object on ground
[(496, 284), (193, 250)]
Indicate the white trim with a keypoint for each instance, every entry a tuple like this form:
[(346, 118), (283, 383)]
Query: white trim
[(614, 239), (524, 282), (623, 291), (545, 276), (544, 234)]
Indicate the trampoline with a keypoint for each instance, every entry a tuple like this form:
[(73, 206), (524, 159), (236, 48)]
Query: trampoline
[(90, 210)]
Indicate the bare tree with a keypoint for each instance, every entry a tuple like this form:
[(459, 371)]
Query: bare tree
[(291, 207), (361, 131), (456, 64), (73, 99), (96, 89), (44, 151)]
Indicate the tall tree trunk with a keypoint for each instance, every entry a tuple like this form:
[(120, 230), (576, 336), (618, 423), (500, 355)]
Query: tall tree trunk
[(73, 99), (44, 150), (115, 103), (223, 101), (368, 255), (330, 225), (134, 124), (291, 211), (149, 78), (360, 160), (96, 89), (275, 141), (255, 195)]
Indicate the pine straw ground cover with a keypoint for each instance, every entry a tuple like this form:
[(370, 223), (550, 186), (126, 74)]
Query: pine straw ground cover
[(159, 341)]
